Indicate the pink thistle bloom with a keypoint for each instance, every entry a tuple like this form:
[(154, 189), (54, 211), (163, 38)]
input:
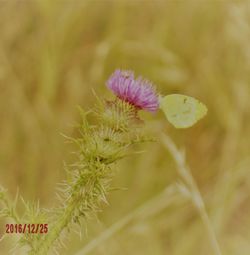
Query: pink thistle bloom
[(138, 92)]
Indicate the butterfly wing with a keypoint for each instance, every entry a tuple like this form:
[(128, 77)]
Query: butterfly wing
[(182, 111)]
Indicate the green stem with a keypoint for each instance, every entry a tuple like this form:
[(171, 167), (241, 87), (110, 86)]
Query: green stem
[(53, 234)]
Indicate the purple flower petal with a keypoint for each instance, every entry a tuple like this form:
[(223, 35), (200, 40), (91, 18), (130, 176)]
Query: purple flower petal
[(138, 92)]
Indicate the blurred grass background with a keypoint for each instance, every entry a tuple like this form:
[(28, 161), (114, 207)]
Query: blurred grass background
[(53, 53)]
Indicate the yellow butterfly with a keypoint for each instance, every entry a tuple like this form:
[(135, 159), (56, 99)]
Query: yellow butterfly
[(182, 111)]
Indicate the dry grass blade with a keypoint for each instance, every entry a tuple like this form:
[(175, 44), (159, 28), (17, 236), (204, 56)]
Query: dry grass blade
[(158, 203), (196, 197)]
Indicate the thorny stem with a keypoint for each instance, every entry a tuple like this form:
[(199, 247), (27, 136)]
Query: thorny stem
[(75, 199), (82, 194), (185, 173), (53, 234), (89, 183)]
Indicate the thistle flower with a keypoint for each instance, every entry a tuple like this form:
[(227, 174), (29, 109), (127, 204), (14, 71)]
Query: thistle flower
[(105, 134), (138, 92)]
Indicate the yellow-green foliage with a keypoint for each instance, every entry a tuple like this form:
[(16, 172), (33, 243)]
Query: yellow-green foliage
[(53, 53)]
